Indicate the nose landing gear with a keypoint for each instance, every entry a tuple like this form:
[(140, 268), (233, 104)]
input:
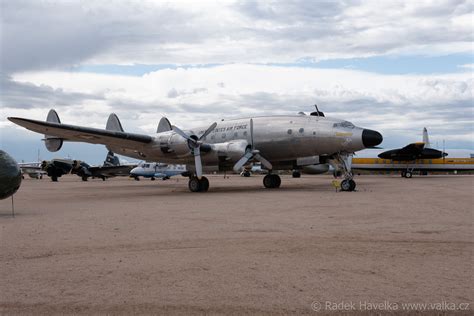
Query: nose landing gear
[(341, 163)]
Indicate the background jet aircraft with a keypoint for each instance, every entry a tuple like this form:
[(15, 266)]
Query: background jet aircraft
[(275, 141), (416, 157), (154, 170)]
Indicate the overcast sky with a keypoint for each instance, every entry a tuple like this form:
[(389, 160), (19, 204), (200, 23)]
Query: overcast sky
[(393, 66)]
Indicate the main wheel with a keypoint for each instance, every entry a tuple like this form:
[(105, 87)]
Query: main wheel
[(152, 178), (408, 174), (54, 178), (194, 184), (296, 174), (84, 178), (136, 178), (271, 181), (204, 184), (246, 174)]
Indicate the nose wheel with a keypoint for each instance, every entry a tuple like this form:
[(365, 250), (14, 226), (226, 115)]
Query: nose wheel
[(348, 185), (198, 185)]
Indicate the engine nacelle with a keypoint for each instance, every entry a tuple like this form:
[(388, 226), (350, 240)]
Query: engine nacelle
[(316, 169)]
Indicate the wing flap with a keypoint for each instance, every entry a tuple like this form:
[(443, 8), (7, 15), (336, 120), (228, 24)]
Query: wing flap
[(84, 134)]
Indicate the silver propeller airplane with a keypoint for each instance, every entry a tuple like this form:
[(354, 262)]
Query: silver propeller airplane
[(277, 142)]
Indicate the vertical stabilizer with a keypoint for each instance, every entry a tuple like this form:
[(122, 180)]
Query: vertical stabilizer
[(111, 160), (113, 123), (53, 143), (426, 140)]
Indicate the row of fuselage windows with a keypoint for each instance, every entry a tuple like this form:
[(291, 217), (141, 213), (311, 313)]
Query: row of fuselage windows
[(236, 135)]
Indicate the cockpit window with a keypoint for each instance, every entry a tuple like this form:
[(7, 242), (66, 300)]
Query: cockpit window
[(345, 124)]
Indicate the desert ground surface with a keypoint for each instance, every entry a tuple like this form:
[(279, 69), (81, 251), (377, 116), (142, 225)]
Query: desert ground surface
[(132, 247)]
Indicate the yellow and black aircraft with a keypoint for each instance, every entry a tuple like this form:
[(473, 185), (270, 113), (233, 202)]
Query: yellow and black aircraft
[(417, 157)]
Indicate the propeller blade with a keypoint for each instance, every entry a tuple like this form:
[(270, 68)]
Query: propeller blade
[(251, 133), (182, 134), (197, 162), (264, 162), (242, 161), (210, 129)]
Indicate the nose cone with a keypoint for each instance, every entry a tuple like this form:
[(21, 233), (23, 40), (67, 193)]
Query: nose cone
[(371, 138)]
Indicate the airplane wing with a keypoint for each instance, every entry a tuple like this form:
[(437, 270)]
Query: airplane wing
[(84, 134)]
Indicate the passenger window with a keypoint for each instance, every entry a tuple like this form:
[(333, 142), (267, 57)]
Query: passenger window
[(301, 130), (289, 132)]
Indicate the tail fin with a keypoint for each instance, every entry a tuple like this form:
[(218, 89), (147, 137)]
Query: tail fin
[(113, 123), (111, 160), (53, 143), (426, 140), (164, 125)]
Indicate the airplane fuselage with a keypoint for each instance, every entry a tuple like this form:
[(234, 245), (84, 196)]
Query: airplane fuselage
[(280, 139)]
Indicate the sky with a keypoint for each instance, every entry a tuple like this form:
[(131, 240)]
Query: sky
[(392, 66)]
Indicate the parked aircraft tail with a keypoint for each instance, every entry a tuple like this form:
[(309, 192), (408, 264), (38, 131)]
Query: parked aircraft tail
[(113, 123), (164, 125), (426, 140), (53, 143), (111, 160)]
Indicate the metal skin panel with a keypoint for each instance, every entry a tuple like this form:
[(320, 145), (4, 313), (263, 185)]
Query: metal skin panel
[(10, 175)]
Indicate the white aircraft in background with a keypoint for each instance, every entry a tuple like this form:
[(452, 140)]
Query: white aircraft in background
[(154, 170), (32, 169)]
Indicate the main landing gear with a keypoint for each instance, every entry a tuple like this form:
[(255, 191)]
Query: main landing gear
[(340, 163), (272, 181), (198, 185)]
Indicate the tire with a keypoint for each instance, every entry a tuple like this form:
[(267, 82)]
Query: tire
[(84, 178), (352, 185), (136, 178), (194, 184), (276, 180), (271, 181), (296, 174), (408, 174), (268, 181), (403, 174), (246, 174), (152, 178), (345, 185), (54, 178), (204, 184)]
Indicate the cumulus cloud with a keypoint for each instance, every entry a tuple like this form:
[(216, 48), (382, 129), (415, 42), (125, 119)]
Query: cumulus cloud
[(44, 35), (394, 104)]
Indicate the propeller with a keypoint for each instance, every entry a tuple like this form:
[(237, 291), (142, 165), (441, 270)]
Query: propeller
[(194, 143), (252, 153)]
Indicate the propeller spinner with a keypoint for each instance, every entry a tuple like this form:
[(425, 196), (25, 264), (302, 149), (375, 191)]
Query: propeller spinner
[(194, 144)]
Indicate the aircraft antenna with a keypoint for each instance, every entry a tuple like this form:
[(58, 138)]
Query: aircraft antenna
[(317, 110)]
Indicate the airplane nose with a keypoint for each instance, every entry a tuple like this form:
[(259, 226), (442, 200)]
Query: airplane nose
[(371, 138)]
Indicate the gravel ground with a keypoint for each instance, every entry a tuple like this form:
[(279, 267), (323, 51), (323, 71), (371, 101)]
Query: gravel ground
[(147, 247)]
